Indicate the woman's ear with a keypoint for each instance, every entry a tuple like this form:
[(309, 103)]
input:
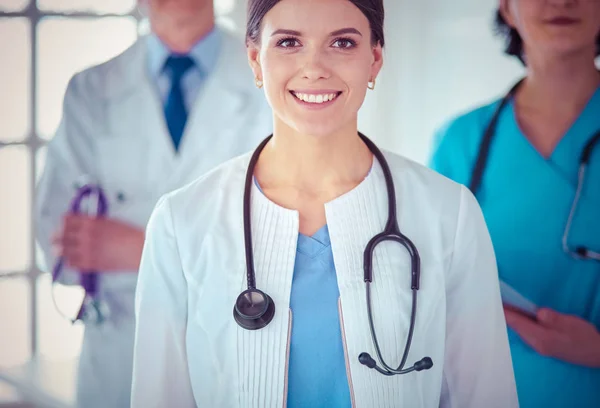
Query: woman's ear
[(377, 61), (506, 12), (254, 61)]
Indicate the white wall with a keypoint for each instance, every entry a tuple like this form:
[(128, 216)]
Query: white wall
[(441, 59)]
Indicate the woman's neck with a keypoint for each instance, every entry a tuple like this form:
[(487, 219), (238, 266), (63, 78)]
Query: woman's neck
[(317, 166), (553, 96), (559, 85)]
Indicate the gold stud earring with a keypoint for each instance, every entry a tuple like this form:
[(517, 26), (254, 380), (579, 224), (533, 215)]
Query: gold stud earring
[(259, 83), (371, 84)]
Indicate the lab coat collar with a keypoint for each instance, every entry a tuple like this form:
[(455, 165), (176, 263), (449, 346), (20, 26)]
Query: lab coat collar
[(376, 172), (135, 68)]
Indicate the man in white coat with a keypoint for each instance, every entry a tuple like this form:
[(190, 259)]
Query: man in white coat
[(171, 107)]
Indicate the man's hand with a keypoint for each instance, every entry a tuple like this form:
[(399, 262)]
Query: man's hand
[(99, 244)]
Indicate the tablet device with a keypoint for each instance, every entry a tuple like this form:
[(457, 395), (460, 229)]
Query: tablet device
[(512, 299)]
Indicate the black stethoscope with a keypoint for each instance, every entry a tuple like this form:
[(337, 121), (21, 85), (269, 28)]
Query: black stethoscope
[(580, 252), (255, 309)]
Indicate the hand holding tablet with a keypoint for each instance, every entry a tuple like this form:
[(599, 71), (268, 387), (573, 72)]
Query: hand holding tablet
[(513, 300)]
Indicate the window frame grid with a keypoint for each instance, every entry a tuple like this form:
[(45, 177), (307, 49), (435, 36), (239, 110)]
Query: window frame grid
[(33, 142)]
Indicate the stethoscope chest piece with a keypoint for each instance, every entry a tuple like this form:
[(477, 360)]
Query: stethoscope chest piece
[(253, 309)]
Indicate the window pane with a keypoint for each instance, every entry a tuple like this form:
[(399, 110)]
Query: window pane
[(40, 162), (66, 46), (94, 6), (8, 394), (13, 5), (14, 322), (58, 339), (15, 87), (15, 209)]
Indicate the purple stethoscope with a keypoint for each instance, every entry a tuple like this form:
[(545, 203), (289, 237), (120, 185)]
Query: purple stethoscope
[(92, 309)]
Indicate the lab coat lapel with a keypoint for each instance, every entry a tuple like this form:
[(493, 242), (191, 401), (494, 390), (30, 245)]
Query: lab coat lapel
[(216, 119), (353, 220), (275, 236), (137, 145)]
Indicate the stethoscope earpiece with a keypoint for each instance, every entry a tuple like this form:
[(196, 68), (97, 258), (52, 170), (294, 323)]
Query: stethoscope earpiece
[(367, 360), (253, 309)]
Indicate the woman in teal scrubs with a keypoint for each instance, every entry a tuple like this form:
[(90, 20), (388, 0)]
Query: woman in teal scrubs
[(527, 180)]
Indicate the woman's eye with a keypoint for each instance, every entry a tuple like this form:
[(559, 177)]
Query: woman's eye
[(344, 43), (288, 43)]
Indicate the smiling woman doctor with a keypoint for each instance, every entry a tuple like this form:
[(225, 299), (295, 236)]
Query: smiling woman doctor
[(290, 276)]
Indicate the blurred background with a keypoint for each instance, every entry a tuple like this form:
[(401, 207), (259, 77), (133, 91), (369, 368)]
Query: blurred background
[(442, 58)]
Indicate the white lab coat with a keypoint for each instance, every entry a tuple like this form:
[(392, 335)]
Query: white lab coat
[(113, 131), (190, 352)]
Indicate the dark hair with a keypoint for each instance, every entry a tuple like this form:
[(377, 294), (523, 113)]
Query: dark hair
[(514, 42), (372, 9)]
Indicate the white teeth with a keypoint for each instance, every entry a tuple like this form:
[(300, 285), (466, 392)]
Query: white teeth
[(312, 98)]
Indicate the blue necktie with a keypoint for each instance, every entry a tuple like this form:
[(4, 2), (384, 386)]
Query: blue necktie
[(175, 111)]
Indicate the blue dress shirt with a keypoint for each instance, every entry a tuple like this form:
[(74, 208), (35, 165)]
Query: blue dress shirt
[(204, 53)]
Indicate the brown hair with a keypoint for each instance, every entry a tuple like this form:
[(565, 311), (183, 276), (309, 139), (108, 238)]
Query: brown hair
[(372, 9)]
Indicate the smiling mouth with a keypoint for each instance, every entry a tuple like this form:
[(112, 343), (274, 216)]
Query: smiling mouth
[(562, 21), (316, 98)]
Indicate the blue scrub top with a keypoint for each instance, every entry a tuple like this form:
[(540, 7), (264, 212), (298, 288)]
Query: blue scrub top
[(526, 200), (317, 364), (317, 367)]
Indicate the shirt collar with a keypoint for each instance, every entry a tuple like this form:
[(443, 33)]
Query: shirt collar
[(204, 53)]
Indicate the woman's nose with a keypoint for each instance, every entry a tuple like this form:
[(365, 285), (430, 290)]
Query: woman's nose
[(315, 65)]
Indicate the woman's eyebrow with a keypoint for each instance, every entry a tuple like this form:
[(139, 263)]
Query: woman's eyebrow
[(348, 30), (286, 32)]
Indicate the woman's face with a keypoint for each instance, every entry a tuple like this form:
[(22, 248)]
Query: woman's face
[(315, 59), (554, 26)]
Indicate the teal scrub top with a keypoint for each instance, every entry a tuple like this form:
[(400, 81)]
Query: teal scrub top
[(526, 200)]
